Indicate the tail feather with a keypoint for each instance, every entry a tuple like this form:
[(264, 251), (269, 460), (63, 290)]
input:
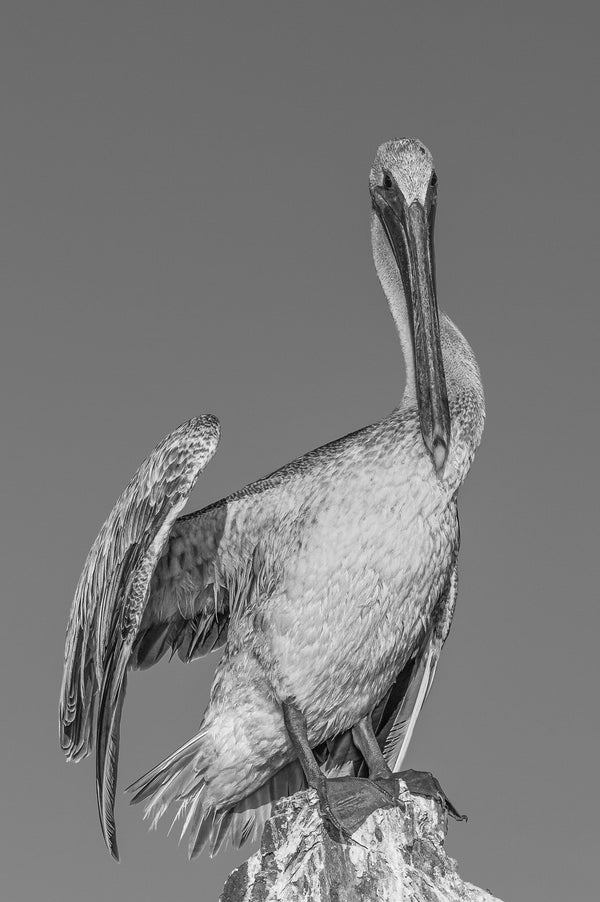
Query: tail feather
[(201, 834), (152, 782), (248, 834), (219, 836), (194, 814), (240, 827), (244, 821), (179, 781)]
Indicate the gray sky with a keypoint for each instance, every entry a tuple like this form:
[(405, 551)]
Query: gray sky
[(185, 229)]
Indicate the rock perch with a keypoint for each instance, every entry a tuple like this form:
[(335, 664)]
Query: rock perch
[(397, 856)]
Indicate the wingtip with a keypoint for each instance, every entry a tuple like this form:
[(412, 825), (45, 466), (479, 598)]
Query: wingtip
[(107, 749), (110, 839), (109, 831)]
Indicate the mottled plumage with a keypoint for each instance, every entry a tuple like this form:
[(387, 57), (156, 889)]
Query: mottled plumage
[(331, 582)]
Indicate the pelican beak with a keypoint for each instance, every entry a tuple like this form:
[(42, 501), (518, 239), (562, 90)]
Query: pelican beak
[(409, 230)]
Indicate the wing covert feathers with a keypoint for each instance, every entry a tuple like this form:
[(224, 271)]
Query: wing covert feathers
[(112, 594), (400, 726)]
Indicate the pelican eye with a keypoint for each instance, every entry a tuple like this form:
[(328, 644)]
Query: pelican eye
[(434, 180), (388, 182)]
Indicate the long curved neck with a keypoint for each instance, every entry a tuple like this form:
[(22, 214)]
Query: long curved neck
[(391, 282), (460, 365)]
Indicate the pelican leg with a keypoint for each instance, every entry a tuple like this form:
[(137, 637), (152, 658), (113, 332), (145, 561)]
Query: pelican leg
[(416, 782), (380, 773), (345, 802)]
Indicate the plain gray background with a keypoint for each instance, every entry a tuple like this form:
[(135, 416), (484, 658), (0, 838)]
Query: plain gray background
[(184, 229)]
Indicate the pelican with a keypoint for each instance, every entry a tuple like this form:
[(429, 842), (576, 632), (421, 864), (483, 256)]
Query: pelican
[(330, 584)]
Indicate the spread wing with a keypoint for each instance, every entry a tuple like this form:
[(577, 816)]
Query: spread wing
[(112, 624), (396, 722)]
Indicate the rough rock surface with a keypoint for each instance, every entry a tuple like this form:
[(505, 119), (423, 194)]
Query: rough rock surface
[(397, 856)]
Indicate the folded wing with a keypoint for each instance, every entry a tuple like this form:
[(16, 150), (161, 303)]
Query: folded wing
[(397, 720)]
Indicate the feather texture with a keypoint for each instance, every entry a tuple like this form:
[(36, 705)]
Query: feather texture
[(178, 780), (399, 729), (111, 597)]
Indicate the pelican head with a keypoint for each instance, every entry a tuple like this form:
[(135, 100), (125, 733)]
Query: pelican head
[(403, 187)]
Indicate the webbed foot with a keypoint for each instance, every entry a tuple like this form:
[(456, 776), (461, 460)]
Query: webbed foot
[(392, 788), (346, 803), (422, 783)]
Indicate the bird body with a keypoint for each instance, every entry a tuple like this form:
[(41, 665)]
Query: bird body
[(350, 548), (325, 582)]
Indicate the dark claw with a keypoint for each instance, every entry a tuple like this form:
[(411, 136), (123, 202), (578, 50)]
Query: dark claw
[(334, 826)]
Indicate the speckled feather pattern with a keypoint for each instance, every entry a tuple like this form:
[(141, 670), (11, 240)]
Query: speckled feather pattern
[(116, 576)]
